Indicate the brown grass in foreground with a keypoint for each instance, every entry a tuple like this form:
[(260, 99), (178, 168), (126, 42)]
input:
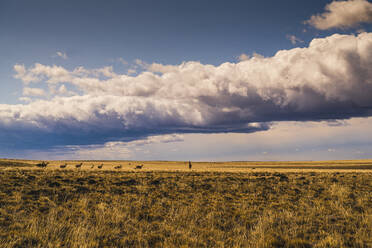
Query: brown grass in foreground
[(71, 208)]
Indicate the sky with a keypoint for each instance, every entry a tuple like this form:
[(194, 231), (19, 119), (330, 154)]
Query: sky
[(186, 80)]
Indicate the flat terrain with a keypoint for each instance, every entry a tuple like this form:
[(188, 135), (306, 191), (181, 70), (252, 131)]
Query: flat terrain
[(238, 166), (235, 204)]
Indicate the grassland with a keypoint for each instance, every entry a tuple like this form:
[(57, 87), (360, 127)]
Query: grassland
[(237, 204), (179, 166)]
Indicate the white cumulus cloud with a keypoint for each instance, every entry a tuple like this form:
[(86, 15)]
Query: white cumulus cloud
[(330, 79), (243, 57), (33, 92), (343, 14), (62, 55), (294, 40)]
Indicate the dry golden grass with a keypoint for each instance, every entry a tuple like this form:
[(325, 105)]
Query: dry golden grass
[(238, 166), (166, 205)]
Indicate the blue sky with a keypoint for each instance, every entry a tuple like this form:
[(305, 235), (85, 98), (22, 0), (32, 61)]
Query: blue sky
[(131, 53), (93, 33)]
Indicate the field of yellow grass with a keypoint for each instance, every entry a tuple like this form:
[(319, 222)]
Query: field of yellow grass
[(236, 166), (164, 204)]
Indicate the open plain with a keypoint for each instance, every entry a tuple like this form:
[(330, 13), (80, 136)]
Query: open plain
[(165, 204)]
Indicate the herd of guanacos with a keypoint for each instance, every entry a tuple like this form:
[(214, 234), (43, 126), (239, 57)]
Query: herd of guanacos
[(44, 164)]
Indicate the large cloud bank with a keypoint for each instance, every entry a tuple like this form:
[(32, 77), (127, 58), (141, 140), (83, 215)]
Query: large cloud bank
[(330, 79), (343, 14)]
